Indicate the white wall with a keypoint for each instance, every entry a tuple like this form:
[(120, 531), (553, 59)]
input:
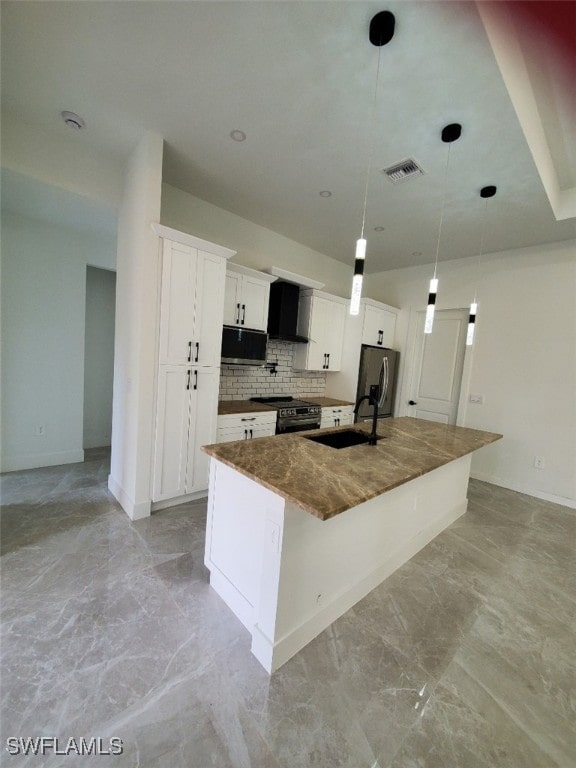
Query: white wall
[(43, 315), (256, 246), (99, 356), (137, 289), (523, 360)]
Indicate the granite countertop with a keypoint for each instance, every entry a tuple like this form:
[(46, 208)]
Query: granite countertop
[(325, 481), (228, 407), (326, 402)]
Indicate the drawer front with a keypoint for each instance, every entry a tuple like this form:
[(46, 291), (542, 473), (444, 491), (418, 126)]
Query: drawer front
[(246, 432), (242, 420), (337, 416)]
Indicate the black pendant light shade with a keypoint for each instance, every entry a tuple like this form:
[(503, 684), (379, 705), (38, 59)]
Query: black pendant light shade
[(451, 132), (488, 191), (382, 28)]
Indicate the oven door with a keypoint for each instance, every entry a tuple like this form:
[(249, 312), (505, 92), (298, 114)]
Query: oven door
[(297, 424)]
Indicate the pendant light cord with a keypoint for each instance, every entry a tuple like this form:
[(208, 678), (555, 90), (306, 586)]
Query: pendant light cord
[(371, 139), (442, 208), (480, 252)]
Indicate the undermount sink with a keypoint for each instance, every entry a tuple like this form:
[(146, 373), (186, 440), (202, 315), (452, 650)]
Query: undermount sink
[(343, 439)]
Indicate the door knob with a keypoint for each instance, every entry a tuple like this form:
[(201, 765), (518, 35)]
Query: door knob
[(412, 402)]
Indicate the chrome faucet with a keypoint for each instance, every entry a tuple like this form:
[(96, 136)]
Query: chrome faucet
[(373, 399)]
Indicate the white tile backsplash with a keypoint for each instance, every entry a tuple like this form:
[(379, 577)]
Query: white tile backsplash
[(241, 382)]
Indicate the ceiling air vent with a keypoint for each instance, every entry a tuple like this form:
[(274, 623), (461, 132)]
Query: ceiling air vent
[(402, 171)]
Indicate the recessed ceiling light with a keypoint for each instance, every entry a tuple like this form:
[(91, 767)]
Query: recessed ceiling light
[(379, 229), (325, 193), (238, 135), (73, 120)]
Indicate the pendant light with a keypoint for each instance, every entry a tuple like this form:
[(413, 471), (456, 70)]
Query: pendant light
[(381, 32), (449, 134), (485, 193)]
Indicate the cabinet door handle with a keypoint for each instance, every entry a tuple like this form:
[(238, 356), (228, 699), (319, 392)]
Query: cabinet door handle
[(325, 361), (245, 434), (251, 435), (243, 314), (189, 351), (328, 361), (238, 314), (195, 379), (380, 337), (197, 351), (252, 418), (188, 380)]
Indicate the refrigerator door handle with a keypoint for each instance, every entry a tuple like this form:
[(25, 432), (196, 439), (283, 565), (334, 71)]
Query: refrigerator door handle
[(381, 382), (384, 384)]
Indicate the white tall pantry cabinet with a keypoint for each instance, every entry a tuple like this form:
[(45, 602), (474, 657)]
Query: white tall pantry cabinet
[(193, 276)]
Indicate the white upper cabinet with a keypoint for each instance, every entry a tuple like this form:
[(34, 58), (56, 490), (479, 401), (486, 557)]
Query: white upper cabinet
[(321, 318), (379, 324), (246, 298), (191, 306), (209, 309)]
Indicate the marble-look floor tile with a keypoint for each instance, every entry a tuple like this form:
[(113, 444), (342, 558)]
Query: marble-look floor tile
[(529, 670), (463, 658), (461, 726)]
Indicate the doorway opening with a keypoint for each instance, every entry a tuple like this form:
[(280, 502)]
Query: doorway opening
[(99, 357)]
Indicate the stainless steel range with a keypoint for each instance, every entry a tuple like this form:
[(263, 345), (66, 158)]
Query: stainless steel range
[(293, 415)]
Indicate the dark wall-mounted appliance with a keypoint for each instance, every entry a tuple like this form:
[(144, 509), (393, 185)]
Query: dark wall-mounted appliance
[(241, 346), (283, 312)]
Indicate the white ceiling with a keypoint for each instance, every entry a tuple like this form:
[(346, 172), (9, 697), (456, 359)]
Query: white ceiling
[(298, 78)]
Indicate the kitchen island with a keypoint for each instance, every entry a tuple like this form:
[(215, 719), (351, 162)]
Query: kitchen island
[(298, 532)]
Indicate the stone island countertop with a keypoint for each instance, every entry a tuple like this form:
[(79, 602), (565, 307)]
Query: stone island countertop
[(327, 481)]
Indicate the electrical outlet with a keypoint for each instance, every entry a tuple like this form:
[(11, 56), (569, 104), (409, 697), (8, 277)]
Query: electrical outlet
[(476, 399), (539, 462), (39, 430)]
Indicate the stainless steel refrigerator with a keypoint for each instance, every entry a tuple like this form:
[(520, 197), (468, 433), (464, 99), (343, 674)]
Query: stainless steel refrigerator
[(377, 366)]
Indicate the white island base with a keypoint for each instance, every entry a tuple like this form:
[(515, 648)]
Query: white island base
[(287, 575)]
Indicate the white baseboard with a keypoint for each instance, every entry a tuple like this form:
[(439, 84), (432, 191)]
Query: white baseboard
[(273, 655), (133, 510), (563, 500), (156, 505), (35, 460)]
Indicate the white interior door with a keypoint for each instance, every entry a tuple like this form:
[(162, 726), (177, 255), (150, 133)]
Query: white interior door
[(439, 361)]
